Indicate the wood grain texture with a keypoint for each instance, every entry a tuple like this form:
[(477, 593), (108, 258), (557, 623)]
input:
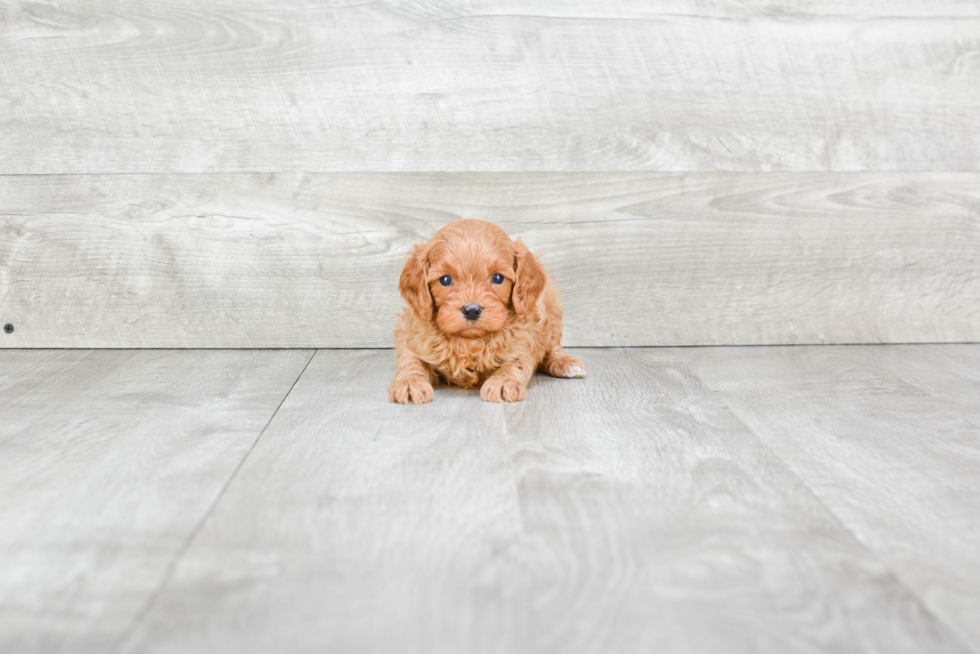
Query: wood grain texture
[(950, 373), (900, 466), (548, 85), (626, 512), (641, 258), (109, 461)]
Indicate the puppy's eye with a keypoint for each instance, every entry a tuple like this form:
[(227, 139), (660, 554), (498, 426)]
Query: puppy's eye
[(445, 280), (498, 279)]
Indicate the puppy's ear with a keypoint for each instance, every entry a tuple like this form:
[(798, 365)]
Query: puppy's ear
[(529, 280), (414, 285)]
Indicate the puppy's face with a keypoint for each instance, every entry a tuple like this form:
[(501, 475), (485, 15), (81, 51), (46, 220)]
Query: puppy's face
[(470, 282), (470, 278)]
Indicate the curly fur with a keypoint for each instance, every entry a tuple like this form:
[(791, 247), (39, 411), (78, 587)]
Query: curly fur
[(518, 331)]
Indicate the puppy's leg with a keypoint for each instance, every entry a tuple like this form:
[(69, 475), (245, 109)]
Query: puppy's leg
[(558, 364), (509, 383), (413, 381)]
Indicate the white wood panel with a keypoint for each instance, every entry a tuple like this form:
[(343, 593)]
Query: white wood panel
[(109, 461), (899, 466), (312, 260), (128, 86), (948, 372), (627, 512)]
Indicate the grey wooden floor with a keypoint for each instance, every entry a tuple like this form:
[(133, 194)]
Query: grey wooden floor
[(763, 499)]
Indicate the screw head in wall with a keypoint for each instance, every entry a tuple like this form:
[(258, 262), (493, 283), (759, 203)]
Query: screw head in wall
[(8, 328)]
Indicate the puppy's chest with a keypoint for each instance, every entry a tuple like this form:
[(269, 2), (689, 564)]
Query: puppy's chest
[(468, 363)]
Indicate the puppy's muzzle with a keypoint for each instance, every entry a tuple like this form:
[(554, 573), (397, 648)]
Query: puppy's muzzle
[(472, 311)]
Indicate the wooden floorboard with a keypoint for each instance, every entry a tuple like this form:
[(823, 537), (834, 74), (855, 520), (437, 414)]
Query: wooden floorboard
[(630, 511), (887, 438), (109, 460), (950, 373), (801, 499), (641, 258)]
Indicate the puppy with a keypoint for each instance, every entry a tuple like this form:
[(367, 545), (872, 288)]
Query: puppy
[(480, 312)]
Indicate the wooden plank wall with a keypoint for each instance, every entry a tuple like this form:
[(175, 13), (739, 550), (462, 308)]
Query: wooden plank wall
[(250, 173)]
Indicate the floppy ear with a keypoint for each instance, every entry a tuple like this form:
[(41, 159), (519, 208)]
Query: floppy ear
[(529, 280), (413, 285)]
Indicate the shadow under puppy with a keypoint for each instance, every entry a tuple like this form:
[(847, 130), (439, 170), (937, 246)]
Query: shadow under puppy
[(481, 312)]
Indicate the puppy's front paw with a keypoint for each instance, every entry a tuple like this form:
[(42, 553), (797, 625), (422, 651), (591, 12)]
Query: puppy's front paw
[(414, 390), (503, 389)]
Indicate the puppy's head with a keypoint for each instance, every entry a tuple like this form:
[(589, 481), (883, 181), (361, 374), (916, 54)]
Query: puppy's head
[(470, 278)]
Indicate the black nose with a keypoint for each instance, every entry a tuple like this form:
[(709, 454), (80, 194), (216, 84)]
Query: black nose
[(472, 311)]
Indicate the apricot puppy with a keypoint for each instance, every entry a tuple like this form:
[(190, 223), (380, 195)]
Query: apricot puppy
[(480, 312)]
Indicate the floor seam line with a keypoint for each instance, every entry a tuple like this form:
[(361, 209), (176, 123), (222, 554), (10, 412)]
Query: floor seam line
[(172, 566)]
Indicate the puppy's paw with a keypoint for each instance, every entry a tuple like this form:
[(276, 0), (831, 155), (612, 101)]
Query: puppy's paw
[(414, 390), (502, 389), (565, 366)]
